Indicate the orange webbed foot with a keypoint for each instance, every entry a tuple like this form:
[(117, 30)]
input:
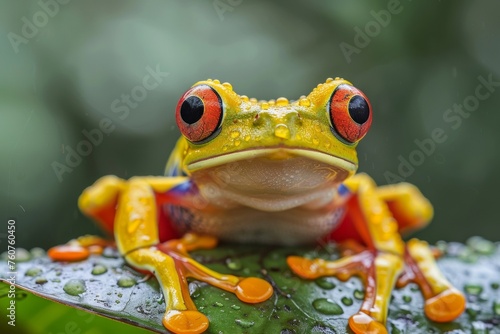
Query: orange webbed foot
[(185, 322), (378, 271), (362, 323), (446, 306), (247, 289)]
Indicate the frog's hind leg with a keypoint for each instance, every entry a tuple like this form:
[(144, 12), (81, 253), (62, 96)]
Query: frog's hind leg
[(137, 238), (412, 211)]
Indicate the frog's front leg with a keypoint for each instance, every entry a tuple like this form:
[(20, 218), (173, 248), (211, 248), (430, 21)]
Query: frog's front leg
[(136, 233), (377, 215)]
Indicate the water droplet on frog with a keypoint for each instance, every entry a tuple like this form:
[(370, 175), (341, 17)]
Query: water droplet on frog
[(235, 307), (126, 282), (74, 287), (325, 283), (99, 269), (327, 306), (244, 323), (303, 102), (346, 301), (218, 304)]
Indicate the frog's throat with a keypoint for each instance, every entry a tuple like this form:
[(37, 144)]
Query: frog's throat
[(276, 153)]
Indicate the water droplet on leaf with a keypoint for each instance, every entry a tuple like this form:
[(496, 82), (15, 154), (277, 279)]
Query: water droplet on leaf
[(74, 287), (99, 269), (126, 282), (327, 306)]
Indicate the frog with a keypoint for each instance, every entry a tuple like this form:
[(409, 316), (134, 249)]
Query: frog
[(271, 172)]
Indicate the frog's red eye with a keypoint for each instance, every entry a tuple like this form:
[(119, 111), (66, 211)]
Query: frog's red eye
[(199, 113), (350, 113)]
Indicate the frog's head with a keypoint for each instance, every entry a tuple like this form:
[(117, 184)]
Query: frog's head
[(315, 135)]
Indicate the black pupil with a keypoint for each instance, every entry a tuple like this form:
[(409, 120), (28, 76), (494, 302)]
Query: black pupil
[(359, 109), (192, 109)]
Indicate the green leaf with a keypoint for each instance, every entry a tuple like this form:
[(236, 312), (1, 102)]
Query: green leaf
[(107, 286)]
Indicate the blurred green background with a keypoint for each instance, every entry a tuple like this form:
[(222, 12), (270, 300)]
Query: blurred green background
[(67, 68)]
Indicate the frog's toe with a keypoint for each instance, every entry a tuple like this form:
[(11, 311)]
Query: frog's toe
[(253, 290), (446, 306), (362, 323), (185, 322), (305, 268), (71, 253)]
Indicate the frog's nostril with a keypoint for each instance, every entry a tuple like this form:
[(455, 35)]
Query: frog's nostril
[(282, 131)]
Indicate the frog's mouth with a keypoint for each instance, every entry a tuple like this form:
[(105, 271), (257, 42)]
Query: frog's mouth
[(274, 153), (271, 179)]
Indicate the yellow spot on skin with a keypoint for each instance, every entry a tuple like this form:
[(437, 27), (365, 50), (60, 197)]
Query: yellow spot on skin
[(235, 134), (315, 141), (237, 143), (282, 131), (247, 138), (264, 105), (282, 101), (224, 148)]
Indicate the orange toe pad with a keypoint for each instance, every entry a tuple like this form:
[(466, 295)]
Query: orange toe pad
[(362, 323), (68, 253), (185, 322), (445, 307), (253, 290)]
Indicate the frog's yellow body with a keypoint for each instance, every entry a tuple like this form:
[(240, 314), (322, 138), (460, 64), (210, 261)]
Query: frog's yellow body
[(274, 172)]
